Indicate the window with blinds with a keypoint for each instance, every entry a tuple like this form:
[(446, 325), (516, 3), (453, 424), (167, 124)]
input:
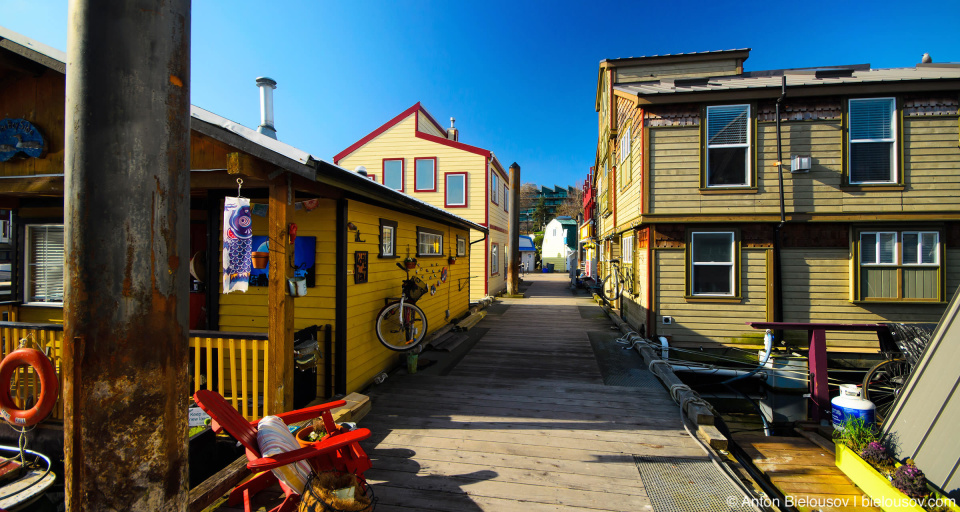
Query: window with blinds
[(872, 137), (728, 146), (44, 264)]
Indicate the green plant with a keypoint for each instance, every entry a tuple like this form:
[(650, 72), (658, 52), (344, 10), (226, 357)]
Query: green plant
[(318, 430), (856, 434)]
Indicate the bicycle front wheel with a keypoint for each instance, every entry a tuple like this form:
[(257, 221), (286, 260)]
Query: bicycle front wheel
[(612, 287), (883, 383), (401, 330)]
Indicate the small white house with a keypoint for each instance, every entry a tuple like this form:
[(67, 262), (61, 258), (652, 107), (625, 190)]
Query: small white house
[(528, 253), (559, 241)]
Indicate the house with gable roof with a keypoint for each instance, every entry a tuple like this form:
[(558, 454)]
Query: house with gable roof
[(412, 153)]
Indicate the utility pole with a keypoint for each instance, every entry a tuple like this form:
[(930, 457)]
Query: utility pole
[(126, 216), (513, 231)]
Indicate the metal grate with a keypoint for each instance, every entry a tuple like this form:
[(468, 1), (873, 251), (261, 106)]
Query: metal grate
[(677, 484)]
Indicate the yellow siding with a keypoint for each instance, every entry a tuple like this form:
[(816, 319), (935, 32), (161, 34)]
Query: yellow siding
[(710, 322), (674, 172), (933, 162), (428, 127), (365, 355), (400, 141), (817, 289), (641, 73)]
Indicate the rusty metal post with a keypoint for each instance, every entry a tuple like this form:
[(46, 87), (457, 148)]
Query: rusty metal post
[(513, 231), (126, 220)]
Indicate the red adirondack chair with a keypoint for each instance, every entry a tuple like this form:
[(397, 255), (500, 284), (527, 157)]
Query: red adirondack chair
[(340, 451)]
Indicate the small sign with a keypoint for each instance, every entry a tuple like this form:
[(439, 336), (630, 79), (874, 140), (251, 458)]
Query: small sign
[(198, 417), (360, 268), (19, 136)]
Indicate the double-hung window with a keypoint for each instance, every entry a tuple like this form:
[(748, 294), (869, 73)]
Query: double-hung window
[(461, 246), (425, 174), (494, 186), (494, 258), (429, 242), (506, 198), (388, 238), (872, 141), (713, 264), (393, 173), (728, 146), (455, 189), (899, 265), (43, 278), (626, 250)]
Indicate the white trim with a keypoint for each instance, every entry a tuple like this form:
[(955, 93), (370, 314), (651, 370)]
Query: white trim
[(732, 263), (747, 170), (27, 262), (894, 170)]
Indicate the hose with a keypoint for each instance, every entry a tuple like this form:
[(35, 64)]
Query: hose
[(767, 350), (35, 454)]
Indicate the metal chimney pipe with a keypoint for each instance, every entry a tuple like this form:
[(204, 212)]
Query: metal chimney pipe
[(266, 85)]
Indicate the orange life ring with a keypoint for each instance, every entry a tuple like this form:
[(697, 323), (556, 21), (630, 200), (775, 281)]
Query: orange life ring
[(49, 387)]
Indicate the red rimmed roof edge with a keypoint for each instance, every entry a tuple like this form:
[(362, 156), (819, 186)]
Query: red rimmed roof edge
[(370, 136)]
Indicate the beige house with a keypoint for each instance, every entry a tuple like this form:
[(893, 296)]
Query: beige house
[(414, 154), (864, 228)]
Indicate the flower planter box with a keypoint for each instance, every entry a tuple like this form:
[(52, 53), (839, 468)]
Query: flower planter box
[(876, 486)]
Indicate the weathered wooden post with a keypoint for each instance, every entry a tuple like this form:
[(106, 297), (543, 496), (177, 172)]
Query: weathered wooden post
[(126, 223), (513, 231)]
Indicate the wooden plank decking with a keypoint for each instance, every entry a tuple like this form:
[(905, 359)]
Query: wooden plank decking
[(523, 422)]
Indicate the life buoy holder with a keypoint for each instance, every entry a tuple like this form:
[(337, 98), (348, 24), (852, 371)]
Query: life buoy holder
[(49, 387)]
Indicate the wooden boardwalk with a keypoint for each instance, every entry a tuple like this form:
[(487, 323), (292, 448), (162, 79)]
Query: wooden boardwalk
[(523, 422)]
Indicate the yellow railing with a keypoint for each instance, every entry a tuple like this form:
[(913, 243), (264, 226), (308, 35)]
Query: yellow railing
[(234, 364)]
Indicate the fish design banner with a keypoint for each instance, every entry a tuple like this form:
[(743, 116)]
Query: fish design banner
[(237, 242)]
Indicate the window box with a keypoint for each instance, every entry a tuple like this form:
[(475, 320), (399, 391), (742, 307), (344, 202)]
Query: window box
[(425, 174), (393, 173)]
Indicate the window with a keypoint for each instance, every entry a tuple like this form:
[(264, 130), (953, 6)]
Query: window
[(388, 238), (625, 143), (461, 246), (728, 146), (494, 186), (494, 258), (506, 198), (44, 264), (372, 177), (455, 189), (393, 173), (872, 135), (626, 249), (712, 264), (899, 265), (429, 242), (424, 174)]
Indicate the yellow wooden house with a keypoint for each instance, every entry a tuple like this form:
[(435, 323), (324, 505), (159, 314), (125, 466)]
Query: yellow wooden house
[(412, 153), (241, 343), (863, 228)]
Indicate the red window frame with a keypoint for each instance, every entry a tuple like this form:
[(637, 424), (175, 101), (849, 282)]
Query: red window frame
[(415, 160), (372, 176), (446, 202), (403, 172)]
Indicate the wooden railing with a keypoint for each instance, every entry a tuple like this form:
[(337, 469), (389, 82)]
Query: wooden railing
[(233, 364)]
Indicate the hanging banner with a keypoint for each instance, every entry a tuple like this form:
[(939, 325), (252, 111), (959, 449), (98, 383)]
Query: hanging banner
[(237, 241)]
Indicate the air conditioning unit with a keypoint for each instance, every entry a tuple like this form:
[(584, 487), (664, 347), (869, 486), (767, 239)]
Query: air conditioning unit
[(800, 163)]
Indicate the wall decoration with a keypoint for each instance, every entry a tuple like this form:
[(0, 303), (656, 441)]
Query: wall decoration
[(20, 136), (237, 231), (433, 289), (360, 268), (443, 275), (304, 260)]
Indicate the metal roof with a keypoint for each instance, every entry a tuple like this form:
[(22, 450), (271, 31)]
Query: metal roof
[(710, 53), (795, 78), (526, 243)]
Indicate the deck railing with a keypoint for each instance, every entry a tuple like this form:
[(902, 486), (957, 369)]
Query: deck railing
[(233, 364)]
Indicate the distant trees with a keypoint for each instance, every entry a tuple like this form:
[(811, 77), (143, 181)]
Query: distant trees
[(528, 199), (572, 206), (540, 214)]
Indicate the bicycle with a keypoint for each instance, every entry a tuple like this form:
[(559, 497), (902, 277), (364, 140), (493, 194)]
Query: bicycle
[(401, 324), (615, 282)]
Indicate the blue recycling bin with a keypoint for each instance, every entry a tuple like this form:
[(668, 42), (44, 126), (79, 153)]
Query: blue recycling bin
[(546, 268)]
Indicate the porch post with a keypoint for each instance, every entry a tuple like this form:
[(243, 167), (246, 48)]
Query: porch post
[(279, 386), (126, 219), (817, 365), (513, 231)]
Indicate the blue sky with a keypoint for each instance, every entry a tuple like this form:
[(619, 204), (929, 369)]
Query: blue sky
[(519, 77)]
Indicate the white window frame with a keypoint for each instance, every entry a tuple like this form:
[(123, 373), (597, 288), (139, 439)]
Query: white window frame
[(936, 248), (28, 262), (732, 264), (417, 171), (747, 169), (494, 186), (388, 244), (506, 201), (494, 258), (876, 249), (461, 246), (403, 172), (625, 143), (432, 242), (894, 176), (446, 185), (626, 249)]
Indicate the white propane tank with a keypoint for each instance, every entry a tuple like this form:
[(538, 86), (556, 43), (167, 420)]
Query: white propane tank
[(850, 405)]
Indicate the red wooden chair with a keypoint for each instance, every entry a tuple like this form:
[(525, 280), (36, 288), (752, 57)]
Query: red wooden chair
[(340, 451)]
